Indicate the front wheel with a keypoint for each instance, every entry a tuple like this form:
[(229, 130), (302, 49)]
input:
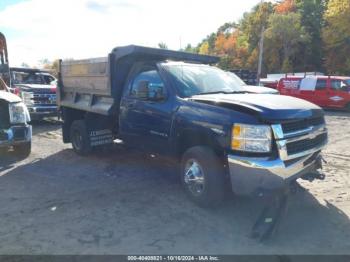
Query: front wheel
[(202, 175)]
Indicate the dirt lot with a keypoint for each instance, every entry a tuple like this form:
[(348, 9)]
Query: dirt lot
[(55, 202)]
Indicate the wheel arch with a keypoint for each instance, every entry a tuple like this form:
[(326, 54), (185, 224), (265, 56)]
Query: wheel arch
[(198, 137)]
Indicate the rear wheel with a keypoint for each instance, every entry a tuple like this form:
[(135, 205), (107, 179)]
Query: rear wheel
[(202, 175), (23, 150), (79, 137)]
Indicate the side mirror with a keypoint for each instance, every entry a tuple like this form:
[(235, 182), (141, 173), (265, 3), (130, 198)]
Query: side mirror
[(156, 92), (150, 91), (142, 90)]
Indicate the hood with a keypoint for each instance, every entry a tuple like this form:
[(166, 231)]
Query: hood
[(34, 86), (9, 97), (260, 90), (265, 106)]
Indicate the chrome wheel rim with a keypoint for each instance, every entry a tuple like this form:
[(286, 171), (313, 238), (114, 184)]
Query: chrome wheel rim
[(194, 177)]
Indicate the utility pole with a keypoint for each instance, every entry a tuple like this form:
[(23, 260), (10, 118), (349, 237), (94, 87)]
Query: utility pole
[(261, 48)]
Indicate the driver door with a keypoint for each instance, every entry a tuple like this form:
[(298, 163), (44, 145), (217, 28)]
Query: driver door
[(146, 112), (338, 94)]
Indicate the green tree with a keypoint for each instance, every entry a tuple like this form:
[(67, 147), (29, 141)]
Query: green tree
[(336, 36), (24, 64), (284, 36), (252, 23), (204, 48), (311, 56), (162, 45), (189, 48)]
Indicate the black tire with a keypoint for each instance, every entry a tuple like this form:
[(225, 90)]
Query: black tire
[(79, 137), (212, 192), (23, 150)]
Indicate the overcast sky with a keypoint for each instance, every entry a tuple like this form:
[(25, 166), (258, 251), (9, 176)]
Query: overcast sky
[(38, 29)]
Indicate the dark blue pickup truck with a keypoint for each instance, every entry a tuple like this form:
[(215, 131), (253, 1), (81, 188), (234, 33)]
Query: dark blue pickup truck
[(176, 104)]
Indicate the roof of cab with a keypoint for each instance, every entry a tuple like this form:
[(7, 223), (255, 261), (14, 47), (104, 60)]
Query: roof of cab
[(319, 77), (148, 53), (27, 69)]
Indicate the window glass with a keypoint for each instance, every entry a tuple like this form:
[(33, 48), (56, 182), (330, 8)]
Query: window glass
[(336, 84), (48, 79), (193, 79), (27, 77), (154, 89), (321, 84)]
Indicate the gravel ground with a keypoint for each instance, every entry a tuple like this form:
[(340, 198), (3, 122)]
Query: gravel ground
[(56, 202)]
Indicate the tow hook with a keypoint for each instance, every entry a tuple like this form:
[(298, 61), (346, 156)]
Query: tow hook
[(317, 174), (314, 175), (275, 206)]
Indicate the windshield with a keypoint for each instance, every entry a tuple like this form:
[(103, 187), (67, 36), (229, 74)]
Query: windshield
[(39, 78), (3, 86), (237, 79), (192, 79), (347, 81)]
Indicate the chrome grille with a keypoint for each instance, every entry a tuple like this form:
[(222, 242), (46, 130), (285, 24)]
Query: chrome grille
[(300, 138), (45, 99), (30, 98), (306, 144), (294, 126)]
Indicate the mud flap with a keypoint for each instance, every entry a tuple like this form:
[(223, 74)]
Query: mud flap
[(269, 219)]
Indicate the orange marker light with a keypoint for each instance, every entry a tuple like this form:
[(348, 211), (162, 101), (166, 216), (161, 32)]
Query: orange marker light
[(236, 144), (236, 131)]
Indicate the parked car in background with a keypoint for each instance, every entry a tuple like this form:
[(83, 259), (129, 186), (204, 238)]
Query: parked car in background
[(272, 79), (14, 118), (325, 91), (37, 88), (253, 89)]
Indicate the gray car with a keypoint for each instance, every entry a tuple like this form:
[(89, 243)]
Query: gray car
[(253, 89)]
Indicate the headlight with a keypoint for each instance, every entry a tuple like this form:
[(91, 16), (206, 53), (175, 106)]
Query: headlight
[(27, 97), (251, 138), (18, 113)]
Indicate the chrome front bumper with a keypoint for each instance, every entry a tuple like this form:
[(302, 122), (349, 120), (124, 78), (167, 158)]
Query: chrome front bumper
[(15, 135), (249, 175), (43, 110)]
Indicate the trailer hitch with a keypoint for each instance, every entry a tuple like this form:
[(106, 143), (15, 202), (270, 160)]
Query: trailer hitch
[(275, 206)]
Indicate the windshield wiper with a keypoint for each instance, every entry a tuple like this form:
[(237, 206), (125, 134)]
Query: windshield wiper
[(222, 92)]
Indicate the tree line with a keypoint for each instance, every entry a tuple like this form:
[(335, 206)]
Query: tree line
[(299, 36)]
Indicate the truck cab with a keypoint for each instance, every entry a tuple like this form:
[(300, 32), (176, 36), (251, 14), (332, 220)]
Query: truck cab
[(37, 89), (179, 105), (325, 91)]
